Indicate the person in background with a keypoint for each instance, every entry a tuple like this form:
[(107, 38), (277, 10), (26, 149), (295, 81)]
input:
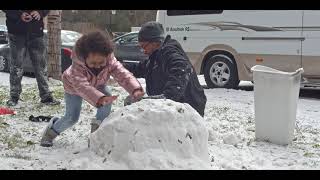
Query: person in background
[(25, 30)]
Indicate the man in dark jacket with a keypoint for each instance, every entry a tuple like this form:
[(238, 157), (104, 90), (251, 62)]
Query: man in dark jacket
[(168, 71), (25, 29)]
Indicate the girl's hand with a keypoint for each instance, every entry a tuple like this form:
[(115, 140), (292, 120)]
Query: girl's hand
[(138, 94), (106, 100)]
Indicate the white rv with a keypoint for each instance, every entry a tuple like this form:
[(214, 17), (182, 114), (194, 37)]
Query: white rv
[(224, 44)]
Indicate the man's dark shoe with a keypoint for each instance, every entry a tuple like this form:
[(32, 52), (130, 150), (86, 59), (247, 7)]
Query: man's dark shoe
[(12, 101), (50, 101)]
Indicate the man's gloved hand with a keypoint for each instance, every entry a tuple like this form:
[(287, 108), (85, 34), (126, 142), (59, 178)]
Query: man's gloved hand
[(161, 96), (136, 96), (129, 100)]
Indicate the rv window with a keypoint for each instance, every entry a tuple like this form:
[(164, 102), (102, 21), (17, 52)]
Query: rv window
[(192, 12)]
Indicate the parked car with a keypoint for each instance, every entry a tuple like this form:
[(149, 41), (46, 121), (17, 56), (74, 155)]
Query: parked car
[(3, 34), (68, 39), (117, 34), (128, 49)]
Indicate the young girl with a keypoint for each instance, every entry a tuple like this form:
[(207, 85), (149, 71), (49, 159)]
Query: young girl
[(93, 63)]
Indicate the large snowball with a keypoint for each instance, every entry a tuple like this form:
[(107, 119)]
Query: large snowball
[(154, 134)]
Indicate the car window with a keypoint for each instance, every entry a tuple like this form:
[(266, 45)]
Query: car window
[(135, 39), (69, 37), (130, 38)]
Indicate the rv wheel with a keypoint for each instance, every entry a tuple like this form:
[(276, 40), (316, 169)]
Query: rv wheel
[(221, 72)]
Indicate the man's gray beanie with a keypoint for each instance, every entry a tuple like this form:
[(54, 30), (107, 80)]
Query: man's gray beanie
[(151, 32)]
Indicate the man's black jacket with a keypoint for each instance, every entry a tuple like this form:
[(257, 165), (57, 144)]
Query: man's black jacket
[(31, 29), (170, 72)]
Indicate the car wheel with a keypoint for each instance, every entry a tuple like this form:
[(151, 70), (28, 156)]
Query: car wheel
[(3, 64), (221, 72)]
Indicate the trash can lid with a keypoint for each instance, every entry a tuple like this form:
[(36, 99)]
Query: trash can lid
[(265, 69)]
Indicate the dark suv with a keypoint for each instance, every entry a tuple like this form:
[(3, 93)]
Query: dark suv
[(128, 49)]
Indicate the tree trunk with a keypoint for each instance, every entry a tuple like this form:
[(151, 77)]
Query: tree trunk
[(54, 44)]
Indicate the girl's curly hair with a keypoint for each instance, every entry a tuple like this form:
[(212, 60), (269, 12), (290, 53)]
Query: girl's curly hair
[(96, 41)]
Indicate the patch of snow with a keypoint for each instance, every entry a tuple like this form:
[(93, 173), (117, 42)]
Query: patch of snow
[(4, 79), (227, 112), (231, 139)]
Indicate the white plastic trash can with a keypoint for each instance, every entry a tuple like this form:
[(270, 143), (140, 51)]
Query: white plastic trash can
[(276, 96)]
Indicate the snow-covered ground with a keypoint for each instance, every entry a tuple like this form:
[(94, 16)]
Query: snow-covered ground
[(229, 118), (4, 80)]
